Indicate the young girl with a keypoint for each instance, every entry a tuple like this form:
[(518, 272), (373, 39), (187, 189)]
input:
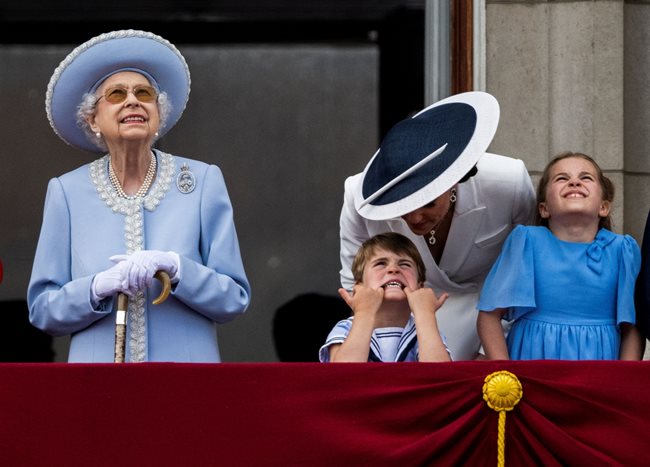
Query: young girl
[(568, 283), (394, 316)]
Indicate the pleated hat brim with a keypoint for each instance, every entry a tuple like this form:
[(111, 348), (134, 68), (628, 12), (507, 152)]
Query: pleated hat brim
[(89, 64)]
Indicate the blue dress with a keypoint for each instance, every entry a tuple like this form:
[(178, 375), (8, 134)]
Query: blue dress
[(567, 299)]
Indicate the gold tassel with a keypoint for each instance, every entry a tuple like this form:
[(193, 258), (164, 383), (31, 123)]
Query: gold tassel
[(502, 391)]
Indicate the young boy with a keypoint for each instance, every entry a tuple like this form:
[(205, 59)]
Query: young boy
[(394, 316)]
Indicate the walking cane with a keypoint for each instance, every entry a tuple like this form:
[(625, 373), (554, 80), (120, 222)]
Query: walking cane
[(123, 308)]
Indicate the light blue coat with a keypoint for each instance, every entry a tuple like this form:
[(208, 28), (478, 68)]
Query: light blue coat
[(85, 223)]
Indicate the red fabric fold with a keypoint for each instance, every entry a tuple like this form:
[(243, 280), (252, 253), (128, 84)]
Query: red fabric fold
[(571, 413)]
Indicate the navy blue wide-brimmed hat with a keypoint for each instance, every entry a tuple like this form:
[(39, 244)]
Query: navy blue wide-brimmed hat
[(88, 65), (426, 155)]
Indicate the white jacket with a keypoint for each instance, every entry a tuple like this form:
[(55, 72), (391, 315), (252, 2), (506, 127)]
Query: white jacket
[(489, 206)]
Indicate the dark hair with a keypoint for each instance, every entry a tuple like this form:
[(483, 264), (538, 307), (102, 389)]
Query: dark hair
[(473, 171), (389, 241), (605, 183)]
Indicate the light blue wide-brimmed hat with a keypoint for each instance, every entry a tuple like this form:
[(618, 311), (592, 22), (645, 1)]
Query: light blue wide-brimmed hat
[(426, 155), (88, 65)]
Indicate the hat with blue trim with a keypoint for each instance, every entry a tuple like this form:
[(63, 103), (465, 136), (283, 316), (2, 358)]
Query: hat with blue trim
[(426, 155), (88, 65)]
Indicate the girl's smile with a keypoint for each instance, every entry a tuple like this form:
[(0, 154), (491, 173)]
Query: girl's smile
[(574, 189)]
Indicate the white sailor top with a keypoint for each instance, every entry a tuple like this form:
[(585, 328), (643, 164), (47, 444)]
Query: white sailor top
[(386, 344)]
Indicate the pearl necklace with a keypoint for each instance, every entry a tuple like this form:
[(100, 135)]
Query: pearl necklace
[(146, 184)]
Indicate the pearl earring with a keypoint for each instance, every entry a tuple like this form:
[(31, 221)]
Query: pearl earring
[(156, 134), (98, 135)]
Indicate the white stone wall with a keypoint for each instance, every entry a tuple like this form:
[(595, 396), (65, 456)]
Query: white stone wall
[(556, 68)]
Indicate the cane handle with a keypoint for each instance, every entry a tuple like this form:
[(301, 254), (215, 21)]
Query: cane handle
[(163, 277)]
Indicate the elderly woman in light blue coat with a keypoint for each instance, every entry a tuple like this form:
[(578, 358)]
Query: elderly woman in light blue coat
[(110, 225)]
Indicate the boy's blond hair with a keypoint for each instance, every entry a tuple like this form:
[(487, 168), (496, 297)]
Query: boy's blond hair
[(389, 241)]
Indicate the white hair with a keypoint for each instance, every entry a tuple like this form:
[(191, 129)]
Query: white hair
[(88, 105)]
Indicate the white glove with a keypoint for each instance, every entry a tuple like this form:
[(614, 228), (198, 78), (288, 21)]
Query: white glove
[(111, 281), (145, 263)]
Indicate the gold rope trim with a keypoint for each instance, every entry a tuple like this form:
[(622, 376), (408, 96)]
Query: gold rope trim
[(502, 391)]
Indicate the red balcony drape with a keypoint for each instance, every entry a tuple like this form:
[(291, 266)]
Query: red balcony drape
[(286, 414)]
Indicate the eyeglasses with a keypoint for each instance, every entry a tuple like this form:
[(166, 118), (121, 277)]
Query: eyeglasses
[(118, 94)]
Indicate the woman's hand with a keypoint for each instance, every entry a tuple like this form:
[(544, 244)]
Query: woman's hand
[(143, 265), (112, 281)]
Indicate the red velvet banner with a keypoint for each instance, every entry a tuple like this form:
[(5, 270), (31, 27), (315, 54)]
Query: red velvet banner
[(309, 414)]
